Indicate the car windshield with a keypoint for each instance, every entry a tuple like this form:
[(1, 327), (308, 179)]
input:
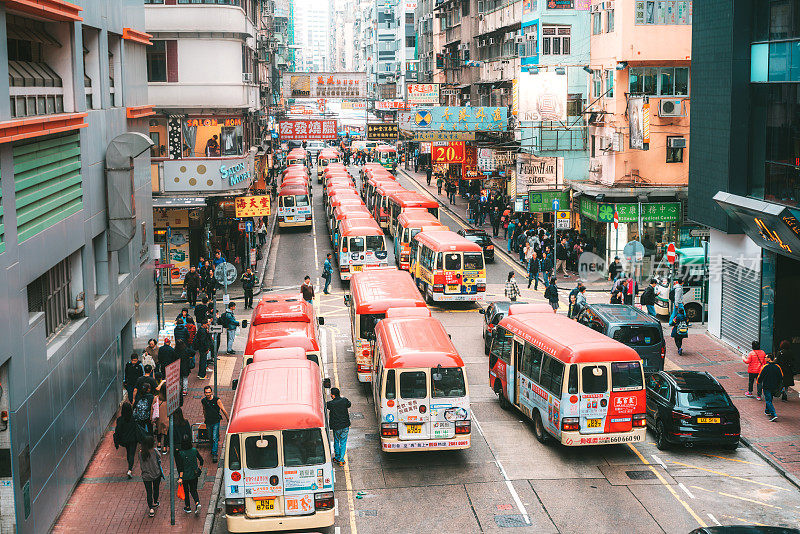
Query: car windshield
[(303, 447), (703, 399), (447, 382), (473, 261), (638, 336), (626, 376)]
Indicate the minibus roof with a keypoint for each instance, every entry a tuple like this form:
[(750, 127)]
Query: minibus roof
[(385, 148), (351, 211), (346, 200), (278, 395), (447, 241), (519, 309), (408, 198), (282, 334), (358, 227), (376, 291), (293, 189), (385, 188), (300, 181), (332, 188), (288, 353), (566, 339), (277, 308), (413, 342), (295, 167), (407, 312), (413, 216)]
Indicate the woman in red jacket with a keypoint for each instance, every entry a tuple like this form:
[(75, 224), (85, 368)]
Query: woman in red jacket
[(755, 360)]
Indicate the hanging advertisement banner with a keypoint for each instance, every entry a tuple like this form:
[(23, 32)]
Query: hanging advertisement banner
[(307, 129), (538, 173), (423, 93), (443, 136), (383, 131), (405, 120), (325, 85), (639, 121), (354, 105), (542, 96), (453, 152), (390, 105), (469, 168)]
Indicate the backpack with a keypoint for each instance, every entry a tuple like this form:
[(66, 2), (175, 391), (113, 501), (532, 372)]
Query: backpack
[(141, 411)]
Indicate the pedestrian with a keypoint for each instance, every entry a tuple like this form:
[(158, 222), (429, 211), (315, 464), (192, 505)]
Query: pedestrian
[(572, 307), (262, 233), (631, 288), (307, 289), (218, 258), (505, 222), (126, 434), (512, 227), (229, 322), (439, 183), (327, 272), (133, 370), (784, 361), (160, 417), (201, 311), (212, 415), (188, 473), (209, 282), (614, 269), (648, 298), (181, 431), (143, 409), (339, 421), (676, 297), (428, 175), (202, 344), (248, 284), (186, 357), (617, 291), (191, 330), (755, 360), (551, 294), (770, 380), (561, 257), (152, 473), (533, 271), (680, 328), (191, 284), (180, 331), (166, 354), (580, 298), (512, 289), (495, 220), (146, 378), (182, 316), (150, 355), (547, 266)]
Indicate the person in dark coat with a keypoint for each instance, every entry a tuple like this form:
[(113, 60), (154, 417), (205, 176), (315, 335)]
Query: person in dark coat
[(201, 311), (551, 294), (184, 353), (133, 370), (202, 344), (771, 380), (166, 354), (676, 322), (248, 284), (126, 434), (648, 298), (339, 421), (192, 283), (784, 361)]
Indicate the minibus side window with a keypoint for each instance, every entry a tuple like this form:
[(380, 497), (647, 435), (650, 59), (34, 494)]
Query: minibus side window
[(572, 386), (261, 457), (531, 364), (439, 261), (312, 358), (447, 382), (390, 385), (303, 447), (234, 453), (413, 385), (547, 374), (595, 379), (434, 212)]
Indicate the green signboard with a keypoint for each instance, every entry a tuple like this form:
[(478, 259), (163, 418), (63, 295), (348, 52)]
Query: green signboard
[(629, 212), (542, 201), (588, 208)]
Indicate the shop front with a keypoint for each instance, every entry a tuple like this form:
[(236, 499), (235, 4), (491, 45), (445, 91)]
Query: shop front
[(178, 231)]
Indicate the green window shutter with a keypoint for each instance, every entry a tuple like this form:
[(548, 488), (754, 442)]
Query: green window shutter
[(47, 182)]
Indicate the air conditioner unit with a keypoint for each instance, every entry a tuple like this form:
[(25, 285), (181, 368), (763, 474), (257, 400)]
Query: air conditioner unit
[(594, 165), (483, 42), (519, 39), (676, 142), (595, 8), (247, 77), (530, 36), (669, 107)]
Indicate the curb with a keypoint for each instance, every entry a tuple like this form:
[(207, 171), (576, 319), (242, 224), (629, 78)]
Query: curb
[(771, 461), (212, 511)]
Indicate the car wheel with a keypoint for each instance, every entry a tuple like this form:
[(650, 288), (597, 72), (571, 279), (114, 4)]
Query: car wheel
[(538, 428), (693, 312), (661, 437), (731, 446)]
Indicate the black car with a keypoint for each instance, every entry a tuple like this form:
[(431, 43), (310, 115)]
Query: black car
[(745, 529), (690, 407), (481, 238), (493, 314)]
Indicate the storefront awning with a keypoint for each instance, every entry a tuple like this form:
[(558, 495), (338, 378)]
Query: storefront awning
[(772, 226), (178, 202)]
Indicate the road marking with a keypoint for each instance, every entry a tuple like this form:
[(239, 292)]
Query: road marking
[(740, 498), (714, 519), (659, 461), (730, 476), (666, 485), (686, 490), (509, 485), (731, 459), (314, 233), (336, 507), (748, 522)]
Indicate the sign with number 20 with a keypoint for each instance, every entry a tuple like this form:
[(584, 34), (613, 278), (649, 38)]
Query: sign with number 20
[(451, 153)]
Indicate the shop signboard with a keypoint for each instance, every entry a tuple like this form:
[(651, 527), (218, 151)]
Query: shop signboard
[(560, 4), (563, 220), (490, 159), (390, 105), (469, 168), (461, 119), (252, 206), (542, 201), (639, 122), (307, 129), (538, 173), (423, 93), (382, 131), (425, 148), (443, 136), (179, 253), (542, 96), (350, 85), (453, 152), (360, 105), (629, 212), (405, 120)]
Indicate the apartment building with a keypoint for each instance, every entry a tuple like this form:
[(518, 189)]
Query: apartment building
[(76, 255), (311, 29)]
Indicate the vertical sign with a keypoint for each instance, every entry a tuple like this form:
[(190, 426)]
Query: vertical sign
[(173, 382)]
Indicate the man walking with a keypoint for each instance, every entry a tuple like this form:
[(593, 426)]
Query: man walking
[(191, 283), (212, 406), (248, 283), (551, 294), (307, 289), (428, 175), (201, 311), (327, 273), (166, 354), (133, 370), (202, 344), (229, 322), (771, 380), (648, 298), (339, 420)]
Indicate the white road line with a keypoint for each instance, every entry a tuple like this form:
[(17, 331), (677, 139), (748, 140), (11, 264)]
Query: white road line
[(686, 491), (336, 507), (659, 461), (714, 519), (337, 530), (510, 486), (314, 233), (323, 347)]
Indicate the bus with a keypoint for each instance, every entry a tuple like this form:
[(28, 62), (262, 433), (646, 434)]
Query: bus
[(277, 469), (372, 293), (691, 267), (283, 321), (361, 246), (447, 267), (333, 188), (368, 188), (575, 384), (409, 224), (386, 155), (327, 157), (419, 386), (380, 204), (297, 156), (399, 201), (369, 166), (351, 213), (294, 206)]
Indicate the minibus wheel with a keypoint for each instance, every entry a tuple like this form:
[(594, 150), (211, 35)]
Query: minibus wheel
[(538, 428), (498, 388)]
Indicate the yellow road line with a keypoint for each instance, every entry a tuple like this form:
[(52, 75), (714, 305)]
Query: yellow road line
[(737, 497), (730, 476), (666, 485), (731, 459)]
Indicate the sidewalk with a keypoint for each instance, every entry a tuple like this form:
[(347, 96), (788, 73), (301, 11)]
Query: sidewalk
[(778, 443)]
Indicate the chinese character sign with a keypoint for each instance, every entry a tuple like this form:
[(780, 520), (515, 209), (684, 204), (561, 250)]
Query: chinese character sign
[(255, 206), (390, 105), (461, 119), (325, 85), (469, 169), (639, 120), (542, 97), (423, 93), (452, 152), (307, 129), (382, 131)]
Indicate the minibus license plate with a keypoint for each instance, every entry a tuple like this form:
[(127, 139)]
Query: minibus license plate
[(356, 267), (452, 287), (264, 505), (289, 218), (413, 429), (713, 420), (593, 423)]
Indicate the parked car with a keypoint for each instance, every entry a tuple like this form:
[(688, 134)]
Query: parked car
[(492, 315), (690, 407), (631, 326), (744, 529), (482, 238)]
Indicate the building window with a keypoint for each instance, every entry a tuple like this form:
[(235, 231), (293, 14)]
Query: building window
[(529, 47), (114, 70), (675, 152), (658, 81), (609, 83), (157, 62), (597, 84), (50, 294), (574, 105), (776, 20), (663, 11), (410, 18), (610, 20), (556, 40), (597, 23), (411, 41)]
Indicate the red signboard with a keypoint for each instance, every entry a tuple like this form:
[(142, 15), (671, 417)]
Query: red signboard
[(307, 129), (453, 152), (469, 169)]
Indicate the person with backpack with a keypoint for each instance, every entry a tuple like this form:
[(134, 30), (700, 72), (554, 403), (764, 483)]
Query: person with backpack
[(202, 344), (770, 380), (229, 322), (551, 294), (755, 360), (188, 473), (680, 328), (126, 434), (143, 408), (327, 273), (648, 298), (152, 473), (133, 370)]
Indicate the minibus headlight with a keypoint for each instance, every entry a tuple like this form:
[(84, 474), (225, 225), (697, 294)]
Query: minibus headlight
[(234, 506), (388, 430), (463, 427), (570, 423), (323, 501)]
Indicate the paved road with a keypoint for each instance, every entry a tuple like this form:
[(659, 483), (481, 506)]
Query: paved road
[(508, 481)]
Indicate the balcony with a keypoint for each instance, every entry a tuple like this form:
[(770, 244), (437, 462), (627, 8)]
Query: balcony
[(500, 69), (227, 95), (197, 18), (504, 17)]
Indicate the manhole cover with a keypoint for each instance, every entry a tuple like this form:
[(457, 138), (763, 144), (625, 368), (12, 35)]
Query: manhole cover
[(640, 475), (510, 520), (367, 513)]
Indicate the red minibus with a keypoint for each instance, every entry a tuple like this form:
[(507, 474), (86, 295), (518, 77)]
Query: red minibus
[(400, 201)]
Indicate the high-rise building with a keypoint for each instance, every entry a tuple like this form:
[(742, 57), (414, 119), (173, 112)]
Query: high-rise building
[(311, 36)]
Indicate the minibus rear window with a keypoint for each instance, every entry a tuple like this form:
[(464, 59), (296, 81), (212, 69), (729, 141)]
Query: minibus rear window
[(375, 242), (473, 261), (434, 212), (452, 262), (595, 379), (626, 376), (302, 200), (368, 322), (447, 382), (303, 447), (413, 385), (356, 244), (261, 457), (287, 202)]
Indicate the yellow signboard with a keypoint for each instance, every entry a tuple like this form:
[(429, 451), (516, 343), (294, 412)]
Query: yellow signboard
[(443, 136), (254, 206)]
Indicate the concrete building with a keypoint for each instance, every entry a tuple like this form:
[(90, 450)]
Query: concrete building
[(638, 125), (744, 175), (455, 51), (311, 28), (425, 51), (76, 290), (389, 49)]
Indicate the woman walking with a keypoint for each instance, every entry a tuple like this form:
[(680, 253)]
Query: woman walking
[(784, 361), (126, 433), (551, 294), (151, 472), (512, 289), (188, 473), (680, 328), (143, 408), (161, 420)]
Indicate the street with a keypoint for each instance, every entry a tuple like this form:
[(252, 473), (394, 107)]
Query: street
[(507, 479)]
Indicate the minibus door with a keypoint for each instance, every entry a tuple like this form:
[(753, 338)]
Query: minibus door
[(413, 413), (263, 475)]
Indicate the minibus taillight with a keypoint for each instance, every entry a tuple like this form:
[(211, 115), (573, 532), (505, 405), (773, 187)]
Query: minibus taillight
[(570, 423), (438, 288), (323, 501), (663, 350), (363, 368), (344, 269), (639, 419), (388, 430), (481, 287), (234, 506), (463, 427)]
